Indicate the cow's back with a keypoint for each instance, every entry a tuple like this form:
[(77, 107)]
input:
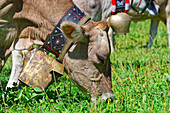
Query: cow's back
[(41, 16), (22, 22)]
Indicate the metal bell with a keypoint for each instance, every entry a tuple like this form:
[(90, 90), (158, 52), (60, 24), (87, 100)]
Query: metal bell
[(120, 23), (39, 69)]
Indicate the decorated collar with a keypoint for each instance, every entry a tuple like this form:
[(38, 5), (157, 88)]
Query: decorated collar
[(56, 40), (119, 4)]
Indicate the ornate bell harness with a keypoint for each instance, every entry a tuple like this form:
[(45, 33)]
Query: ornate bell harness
[(56, 41), (123, 4), (119, 5)]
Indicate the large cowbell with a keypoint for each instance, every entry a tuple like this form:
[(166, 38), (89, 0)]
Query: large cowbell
[(39, 69), (120, 23)]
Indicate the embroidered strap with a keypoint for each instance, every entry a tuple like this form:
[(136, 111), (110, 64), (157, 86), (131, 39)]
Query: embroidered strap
[(135, 8), (116, 4), (56, 40)]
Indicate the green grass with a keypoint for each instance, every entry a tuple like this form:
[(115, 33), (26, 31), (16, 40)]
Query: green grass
[(140, 78)]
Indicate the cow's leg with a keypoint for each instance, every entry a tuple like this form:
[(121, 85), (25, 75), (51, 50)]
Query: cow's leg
[(2, 63), (168, 20), (168, 30), (111, 39), (153, 32), (17, 60), (3, 60)]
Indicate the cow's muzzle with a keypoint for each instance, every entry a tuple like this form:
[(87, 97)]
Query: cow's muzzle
[(105, 97)]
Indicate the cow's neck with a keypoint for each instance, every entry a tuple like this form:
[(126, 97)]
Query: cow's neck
[(56, 42)]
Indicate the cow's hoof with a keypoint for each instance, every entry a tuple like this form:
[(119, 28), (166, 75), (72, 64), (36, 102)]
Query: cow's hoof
[(4, 95), (149, 45)]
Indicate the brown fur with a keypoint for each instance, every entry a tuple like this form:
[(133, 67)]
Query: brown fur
[(103, 8), (35, 19), (27, 22), (86, 70)]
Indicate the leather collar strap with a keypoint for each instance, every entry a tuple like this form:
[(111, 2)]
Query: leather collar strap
[(56, 40), (140, 12)]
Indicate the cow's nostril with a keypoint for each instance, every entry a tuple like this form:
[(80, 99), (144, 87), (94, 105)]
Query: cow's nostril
[(107, 97), (93, 5)]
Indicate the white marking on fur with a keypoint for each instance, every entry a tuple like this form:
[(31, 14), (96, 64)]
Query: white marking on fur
[(17, 60)]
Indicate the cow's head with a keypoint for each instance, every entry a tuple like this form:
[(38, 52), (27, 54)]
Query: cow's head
[(88, 60), (101, 9)]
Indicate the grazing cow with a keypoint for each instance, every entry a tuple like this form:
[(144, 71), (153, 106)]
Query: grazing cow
[(101, 9), (88, 61), (27, 22)]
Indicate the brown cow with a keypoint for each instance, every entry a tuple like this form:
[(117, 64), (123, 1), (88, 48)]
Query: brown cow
[(101, 9), (28, 22), (24, 23), (89, 60)]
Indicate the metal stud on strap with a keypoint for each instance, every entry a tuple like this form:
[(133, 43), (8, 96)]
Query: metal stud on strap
[(56, 40)]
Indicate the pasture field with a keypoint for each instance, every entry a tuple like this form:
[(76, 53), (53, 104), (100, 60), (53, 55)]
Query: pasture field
[(140, 78)]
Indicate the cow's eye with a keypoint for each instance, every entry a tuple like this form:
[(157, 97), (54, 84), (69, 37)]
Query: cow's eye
[(100, 58), (101, 32)]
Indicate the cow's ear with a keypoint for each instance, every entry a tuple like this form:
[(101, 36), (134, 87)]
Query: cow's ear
[(72, 31)]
